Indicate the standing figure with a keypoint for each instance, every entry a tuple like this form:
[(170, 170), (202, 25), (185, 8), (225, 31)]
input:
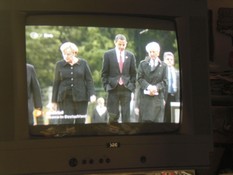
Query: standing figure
[(34, 95), (100, 113), (119, 77), (170, 96), (152, 79), (73, 85)]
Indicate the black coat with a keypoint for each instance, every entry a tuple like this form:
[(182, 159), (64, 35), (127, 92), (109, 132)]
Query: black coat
[(77, 78), (34, 92), (151, 108), (156, 77)]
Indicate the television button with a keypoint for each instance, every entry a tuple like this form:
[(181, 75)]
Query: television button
[(101, 160), (143, 159), (84, 161), (73, 162), (107, 160)]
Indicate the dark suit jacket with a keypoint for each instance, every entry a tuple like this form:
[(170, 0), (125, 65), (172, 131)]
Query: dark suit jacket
[(77, 77), (111, 71), (34, 92), (151, 108)]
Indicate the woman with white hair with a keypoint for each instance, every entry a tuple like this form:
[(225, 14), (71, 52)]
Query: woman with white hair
[(73, 85), (152, 79)]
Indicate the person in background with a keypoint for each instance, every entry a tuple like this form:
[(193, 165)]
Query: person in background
[(152, 80), (119, 77), (73, 85), (34, 95), (170, 96), (100, 113)]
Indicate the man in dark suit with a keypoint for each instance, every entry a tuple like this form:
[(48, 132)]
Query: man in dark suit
[(34, 95), (173, 80), (118, 77)]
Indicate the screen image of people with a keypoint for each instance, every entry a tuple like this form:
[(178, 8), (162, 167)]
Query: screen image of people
[(90, 75)]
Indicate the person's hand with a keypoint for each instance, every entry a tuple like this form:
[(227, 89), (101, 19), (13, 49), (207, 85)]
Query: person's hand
[(136, 111), (93, 98), (153, 90), (54, 106), (37, 112)]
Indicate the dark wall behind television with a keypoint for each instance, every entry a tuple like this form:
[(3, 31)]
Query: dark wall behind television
[(6, 72)]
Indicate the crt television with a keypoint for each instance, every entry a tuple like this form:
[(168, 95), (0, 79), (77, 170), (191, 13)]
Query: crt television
[(48, 148)]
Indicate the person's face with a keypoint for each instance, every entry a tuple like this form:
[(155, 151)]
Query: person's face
[(121, 44), (68, 55), (101, 102), (153, 53), (169, 60)]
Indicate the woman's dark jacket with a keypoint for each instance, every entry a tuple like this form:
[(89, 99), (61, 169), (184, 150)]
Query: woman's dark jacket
[(76, 79)]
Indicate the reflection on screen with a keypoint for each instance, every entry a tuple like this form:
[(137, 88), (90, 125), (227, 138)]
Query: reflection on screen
[(43, 52)]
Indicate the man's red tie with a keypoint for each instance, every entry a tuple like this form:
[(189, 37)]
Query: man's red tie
[(121, 68)]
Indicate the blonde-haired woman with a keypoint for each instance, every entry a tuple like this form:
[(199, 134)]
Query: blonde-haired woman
[(73, 85)]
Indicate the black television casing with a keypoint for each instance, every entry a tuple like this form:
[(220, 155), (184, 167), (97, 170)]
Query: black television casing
[(187, 148)]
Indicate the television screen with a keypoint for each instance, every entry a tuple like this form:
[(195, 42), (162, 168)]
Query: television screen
[(44, 37)]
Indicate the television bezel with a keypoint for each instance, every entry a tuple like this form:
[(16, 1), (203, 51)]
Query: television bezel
[(189, 148)]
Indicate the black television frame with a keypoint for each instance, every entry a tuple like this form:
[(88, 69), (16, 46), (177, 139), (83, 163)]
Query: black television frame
[(189, 148)]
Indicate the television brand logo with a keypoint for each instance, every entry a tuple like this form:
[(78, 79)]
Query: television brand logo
[(113, 145)]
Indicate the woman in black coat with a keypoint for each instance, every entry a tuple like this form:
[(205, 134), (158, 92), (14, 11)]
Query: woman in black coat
[(73, 85), (152, 79)]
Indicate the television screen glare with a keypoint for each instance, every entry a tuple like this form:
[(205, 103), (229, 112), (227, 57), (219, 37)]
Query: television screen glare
[(43, 43)]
